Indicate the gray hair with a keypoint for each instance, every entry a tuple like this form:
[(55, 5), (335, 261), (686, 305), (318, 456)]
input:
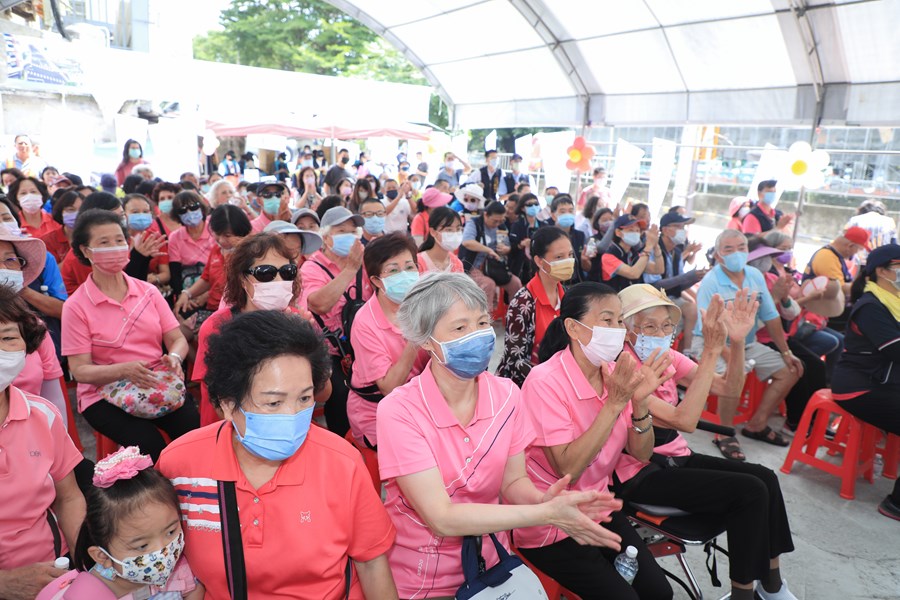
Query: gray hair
[(727, 235), (142, 168), (776, 238), (214, 189), (430, 299)]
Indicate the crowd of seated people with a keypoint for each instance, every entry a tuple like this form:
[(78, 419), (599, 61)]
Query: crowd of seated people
[(241, 344)]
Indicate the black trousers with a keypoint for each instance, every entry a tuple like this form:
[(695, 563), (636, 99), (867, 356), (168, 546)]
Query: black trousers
[(747, 496), (128, 430), (589, 572), (336, 407), (881, 408)]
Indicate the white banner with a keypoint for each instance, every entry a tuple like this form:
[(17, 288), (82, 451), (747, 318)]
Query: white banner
[(490, 141), (628, 160), (690, 137), (660, 174)]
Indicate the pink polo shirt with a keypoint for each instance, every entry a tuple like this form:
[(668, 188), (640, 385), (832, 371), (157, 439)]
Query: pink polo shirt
[(417, 432), (260, 222), (377, 345), (562, 405), (113, 332), (315, 278), (35, 454), (186, 250), (40, 366), (681, 366)]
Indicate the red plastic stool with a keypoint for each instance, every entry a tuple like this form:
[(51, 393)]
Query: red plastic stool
[(106, 446), (748, 402), (71, 426), (370, 458), (859, 436), (889, 450)]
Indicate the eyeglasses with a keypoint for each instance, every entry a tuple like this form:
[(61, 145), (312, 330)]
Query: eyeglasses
[(188, 208), (14, 263), (394, 270), (267, 195), (653, 330), (267, 273), (370, 214)]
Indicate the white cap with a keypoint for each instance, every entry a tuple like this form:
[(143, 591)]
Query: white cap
[(61, 563), (631, 552)]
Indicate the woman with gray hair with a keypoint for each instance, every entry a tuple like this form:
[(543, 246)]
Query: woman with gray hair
[(451, 443)]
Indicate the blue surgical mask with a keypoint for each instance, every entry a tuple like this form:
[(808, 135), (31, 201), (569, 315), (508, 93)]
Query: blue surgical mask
[(468, 356), (140, 221), (271, 206), (769, 198), (374, 225), (342, 242), (565, 220), (646, 344), (306, 163), (391, 194), (134, 152), (532, 211), (397, 285), (736, 261), (69, 219), (165, 206), (631, 238), (275, 437), (680, 236), (204, 188), (192, 217)]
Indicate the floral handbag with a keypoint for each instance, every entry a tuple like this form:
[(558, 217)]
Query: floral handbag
[(147, 403)]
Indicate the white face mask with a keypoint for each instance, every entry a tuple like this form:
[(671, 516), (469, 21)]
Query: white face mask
[(31, 203), (14, 279), (450, 241), (605, 345), (680, 236), (11, 364)]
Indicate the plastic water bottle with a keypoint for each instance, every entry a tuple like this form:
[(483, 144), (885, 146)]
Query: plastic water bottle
[(877, 466), (591, 250), (61, 563), (627, 564)]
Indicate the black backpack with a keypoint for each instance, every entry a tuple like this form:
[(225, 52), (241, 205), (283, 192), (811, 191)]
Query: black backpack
[(341, 339)]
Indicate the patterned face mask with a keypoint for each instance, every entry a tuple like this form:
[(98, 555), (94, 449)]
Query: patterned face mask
[(153, 568)]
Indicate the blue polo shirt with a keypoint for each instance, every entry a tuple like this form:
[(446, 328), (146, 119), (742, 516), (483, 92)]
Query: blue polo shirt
[(717, 282), (52, 278)]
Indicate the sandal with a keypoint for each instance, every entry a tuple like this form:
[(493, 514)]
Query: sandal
[(730, 448), (767, 435)]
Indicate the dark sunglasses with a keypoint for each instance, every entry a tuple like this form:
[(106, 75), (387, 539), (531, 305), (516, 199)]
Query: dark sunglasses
[(268, 195), (187, 209), (532, 204), (267, 273)]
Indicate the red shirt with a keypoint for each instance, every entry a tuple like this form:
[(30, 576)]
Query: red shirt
[(210, 326), (214, 275), (57, 243), (47, 225), (298, 530), (73, 273)]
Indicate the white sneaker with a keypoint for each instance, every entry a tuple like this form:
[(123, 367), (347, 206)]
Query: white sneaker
[(783, 594)]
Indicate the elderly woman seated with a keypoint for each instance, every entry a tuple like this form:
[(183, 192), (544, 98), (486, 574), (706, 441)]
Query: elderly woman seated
[(296, 499), (41, 507), (745, 496)]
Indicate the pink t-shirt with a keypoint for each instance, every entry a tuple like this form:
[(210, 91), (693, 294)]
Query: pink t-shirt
[(260, 222), (35, 454), (426, 265), (418, 432), (562, 405), (40, 366), (315, 278), (113, 332), (186, 250), (681, 366), (82, 585), (377, 345)]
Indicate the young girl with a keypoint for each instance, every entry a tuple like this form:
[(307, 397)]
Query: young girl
[(130, 544)]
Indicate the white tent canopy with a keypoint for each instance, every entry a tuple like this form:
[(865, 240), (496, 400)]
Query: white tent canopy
[(641, 62)]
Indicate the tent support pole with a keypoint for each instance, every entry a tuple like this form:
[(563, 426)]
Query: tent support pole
[(801, 195)]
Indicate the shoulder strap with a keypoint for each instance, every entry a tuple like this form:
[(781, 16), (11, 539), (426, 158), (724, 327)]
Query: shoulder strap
[(233, 549), (54, 529), (479, 229)]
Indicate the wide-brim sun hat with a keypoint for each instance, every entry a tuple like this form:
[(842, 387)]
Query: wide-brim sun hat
[(472, 190), (434, 198), (642, 296), (736, 203), (31, 249), (312, 241)]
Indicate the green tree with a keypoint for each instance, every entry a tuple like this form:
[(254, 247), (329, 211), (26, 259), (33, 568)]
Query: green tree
[(310, 36)]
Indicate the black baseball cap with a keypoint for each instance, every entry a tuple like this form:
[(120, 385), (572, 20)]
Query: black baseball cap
[(673, 218)]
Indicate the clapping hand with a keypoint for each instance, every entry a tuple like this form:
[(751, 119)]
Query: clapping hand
[(622, 383), (578, 513), (740, 315), (654, 372), (714, 332), (149, 243)]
